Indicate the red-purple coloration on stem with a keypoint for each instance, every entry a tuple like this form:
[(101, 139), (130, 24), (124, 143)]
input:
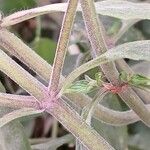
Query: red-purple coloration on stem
[(115, 89), (50, 102)]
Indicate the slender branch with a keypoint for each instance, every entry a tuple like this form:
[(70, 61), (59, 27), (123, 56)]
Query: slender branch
[(62, 45), (15, 46), (22, 77), (104, 114), (122, 65), (88, 111), (53, 143), (18, 114), (32, 60), (18, 101), (95, 31), (29, 57), (62, 112), (83, 132)]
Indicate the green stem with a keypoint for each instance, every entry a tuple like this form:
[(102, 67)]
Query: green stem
[(38, 28), (95, 32), (22, 77), (62, 45), (88, 111), (83, 132), (52, 143)]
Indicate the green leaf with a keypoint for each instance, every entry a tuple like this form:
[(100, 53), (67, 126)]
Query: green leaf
[(82, 86), (8, 6), (45, 48), (98, 78), (140, 80), (124, 76), (135, 80), (138, 50)]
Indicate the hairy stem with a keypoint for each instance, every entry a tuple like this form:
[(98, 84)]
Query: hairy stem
[(88, 111), (17, 101), (122, 65), (60, 111), (62, 45), (16, 47), (22, 77), (18, 114), (102, 113), (52, 143), (83, 132), (95, 31)]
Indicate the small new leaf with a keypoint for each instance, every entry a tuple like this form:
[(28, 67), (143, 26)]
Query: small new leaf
[(136, 80), (140, 81), (82, 86), (98, 78)]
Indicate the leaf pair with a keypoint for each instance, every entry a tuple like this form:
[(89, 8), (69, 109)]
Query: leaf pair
[(85, 86), (136, 80)]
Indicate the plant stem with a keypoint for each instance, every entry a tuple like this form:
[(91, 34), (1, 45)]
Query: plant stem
[(38, 28), (122, 65), (52, 143), (62, 45), (17, 101), (95, 31), (102, 113), (88, 111), (84, 133), (15, 46), (22, 77), (19, 49)]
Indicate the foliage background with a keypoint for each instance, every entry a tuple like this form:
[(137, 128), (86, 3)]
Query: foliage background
[(131, 137)]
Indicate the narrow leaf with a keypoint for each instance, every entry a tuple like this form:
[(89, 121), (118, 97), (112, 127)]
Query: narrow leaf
[(22, 77), (123, 9), (17, 114), (82, 86), (119, 9), (54, 143), (136, 80), (138, 50)]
